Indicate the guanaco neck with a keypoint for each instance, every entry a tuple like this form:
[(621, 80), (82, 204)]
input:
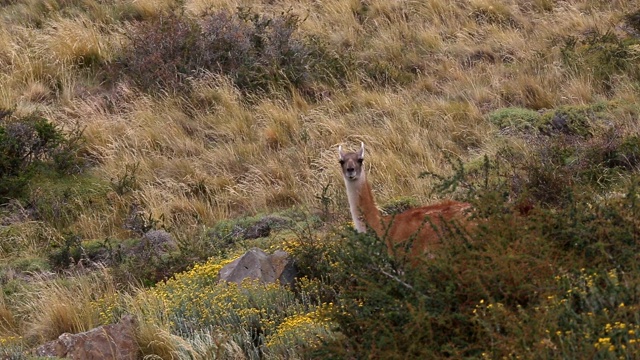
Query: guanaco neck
[(363, 207)]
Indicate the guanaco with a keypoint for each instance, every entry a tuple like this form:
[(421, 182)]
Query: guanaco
[(417, 225)]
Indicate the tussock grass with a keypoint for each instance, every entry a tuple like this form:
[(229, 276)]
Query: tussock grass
[(249, 154), (48, 311), (24, 249), (423, 83), (78, 41), (9, 324), (145, 9)]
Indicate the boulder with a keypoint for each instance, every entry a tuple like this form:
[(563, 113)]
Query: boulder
[(257, 265), (115, 341), (263, 227), (153, 244), (159, 241)]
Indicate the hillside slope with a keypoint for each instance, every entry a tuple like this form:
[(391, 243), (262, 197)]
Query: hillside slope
[(199, 117)]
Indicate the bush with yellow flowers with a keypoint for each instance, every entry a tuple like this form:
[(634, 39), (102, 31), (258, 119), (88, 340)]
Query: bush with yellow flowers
[(260, 318)]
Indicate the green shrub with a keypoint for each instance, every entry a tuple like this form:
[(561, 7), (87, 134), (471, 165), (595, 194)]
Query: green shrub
[(567, 120), (30, 264), (550, 269), (24, 143), (146, 263), (573, 120), (29, 142), (69, 252), (627, 154), (562, 166), (515, 118), (513, 286)]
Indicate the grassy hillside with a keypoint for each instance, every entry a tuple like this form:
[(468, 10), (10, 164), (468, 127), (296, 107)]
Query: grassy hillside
[(201, 117)]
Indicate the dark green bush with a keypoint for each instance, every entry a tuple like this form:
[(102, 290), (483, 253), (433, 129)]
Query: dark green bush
[(259, 52), (564, 165), (513, 286), (143, 264), (27, 144), (627, 154), (573, 120), (549, 270), (515, 118), (67, 253)]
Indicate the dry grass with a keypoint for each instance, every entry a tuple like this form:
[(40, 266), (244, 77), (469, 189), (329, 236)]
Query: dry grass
[(150, 8), (425, 74), (9, 324), (470, 58), (49, 307), (153, 333), (26, 238), (75, 40)]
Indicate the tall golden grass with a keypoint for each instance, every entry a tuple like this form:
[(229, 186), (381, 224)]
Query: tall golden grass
[(468, 57), (216, 154), (52, 306)]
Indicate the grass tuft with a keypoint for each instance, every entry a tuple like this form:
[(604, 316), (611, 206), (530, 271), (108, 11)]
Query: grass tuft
[(59, 306)]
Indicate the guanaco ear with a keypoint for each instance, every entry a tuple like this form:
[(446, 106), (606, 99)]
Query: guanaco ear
[(361, 152), (340, 152)]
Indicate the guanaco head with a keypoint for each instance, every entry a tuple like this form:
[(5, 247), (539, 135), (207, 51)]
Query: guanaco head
[(351, 163)]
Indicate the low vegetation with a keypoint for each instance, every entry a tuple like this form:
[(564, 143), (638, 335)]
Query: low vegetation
[(550, 269), (146, 144), (258, 52), (27, 145)]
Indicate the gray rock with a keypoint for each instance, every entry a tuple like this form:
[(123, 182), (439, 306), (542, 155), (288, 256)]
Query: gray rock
[(257, 265), (160, 241), (115, 341), (263, 227)]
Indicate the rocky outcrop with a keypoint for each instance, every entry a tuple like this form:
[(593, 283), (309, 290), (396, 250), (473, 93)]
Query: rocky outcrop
[(115, 341), (258, 265)]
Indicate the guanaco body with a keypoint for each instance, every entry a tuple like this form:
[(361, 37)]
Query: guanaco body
[(417, 225)]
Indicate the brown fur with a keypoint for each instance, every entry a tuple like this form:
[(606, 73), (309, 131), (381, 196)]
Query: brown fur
[(418, 225)]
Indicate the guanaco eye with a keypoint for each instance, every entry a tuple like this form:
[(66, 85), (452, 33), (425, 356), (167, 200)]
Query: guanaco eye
[(360, 161), (341, 162)]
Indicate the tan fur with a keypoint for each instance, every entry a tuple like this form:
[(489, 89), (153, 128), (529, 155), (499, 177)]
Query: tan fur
[(417, 225)]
